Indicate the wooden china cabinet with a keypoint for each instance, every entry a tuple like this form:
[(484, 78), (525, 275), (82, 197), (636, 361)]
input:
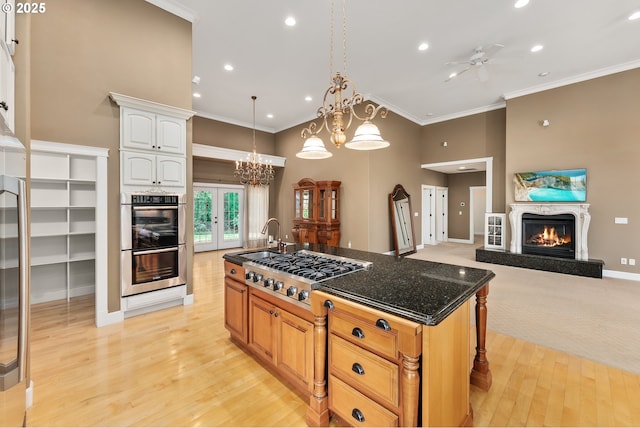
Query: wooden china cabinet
[(316, 212)]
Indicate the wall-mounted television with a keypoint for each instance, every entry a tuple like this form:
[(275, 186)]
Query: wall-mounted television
[(563, 185)]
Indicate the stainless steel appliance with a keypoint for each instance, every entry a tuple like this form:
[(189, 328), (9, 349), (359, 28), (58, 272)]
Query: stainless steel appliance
[(14, 299), (152, 240), (292, 276)]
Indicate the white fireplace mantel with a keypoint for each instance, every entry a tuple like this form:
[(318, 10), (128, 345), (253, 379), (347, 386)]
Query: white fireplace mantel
[(579, 211)]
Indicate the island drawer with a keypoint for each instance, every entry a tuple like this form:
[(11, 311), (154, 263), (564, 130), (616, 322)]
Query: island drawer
[(367, 372), (232, 270), (355, 408), (363, 332)]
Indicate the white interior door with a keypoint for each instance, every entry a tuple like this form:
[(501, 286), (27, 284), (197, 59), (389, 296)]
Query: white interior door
[(442, 214), (428, 215), (218, 214)]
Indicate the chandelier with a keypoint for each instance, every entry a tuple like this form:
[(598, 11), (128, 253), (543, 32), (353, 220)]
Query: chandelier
[(253, 171), (337, 112)]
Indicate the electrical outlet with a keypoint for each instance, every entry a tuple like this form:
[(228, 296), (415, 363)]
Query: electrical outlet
[(632, 262), (623, 260)]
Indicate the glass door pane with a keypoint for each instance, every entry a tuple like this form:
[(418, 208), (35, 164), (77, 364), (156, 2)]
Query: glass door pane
[(203, 231), (230, 228)]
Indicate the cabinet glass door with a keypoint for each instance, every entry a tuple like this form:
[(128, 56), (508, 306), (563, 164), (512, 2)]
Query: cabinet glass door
[(217, 217)]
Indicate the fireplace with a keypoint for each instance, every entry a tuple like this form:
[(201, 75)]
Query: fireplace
[(548, 235), (553, 215)]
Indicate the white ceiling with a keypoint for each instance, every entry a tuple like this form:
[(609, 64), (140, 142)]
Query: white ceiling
[(281, 65)]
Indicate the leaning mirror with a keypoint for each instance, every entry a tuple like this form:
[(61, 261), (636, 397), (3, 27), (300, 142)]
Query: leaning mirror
[(401, 221)]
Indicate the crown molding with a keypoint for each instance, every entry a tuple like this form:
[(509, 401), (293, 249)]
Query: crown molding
[(574, 79), (177, 9), (222, 153), (150, 106), (234, 122), (65, 149), (464, 113)]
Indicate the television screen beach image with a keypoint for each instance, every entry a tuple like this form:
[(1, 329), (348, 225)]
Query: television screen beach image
[(564, 185)]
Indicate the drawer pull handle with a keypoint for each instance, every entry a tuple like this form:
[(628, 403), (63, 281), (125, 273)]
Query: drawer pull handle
[(233, 272), (357, 332), (383, 324), (329, 304), (357, 369), (357, 415)]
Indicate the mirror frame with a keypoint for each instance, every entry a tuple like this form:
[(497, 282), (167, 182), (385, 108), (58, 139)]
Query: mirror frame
[(398, 195)]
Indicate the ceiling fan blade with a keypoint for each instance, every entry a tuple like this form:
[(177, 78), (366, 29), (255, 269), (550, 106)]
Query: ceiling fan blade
[(483, 73), (457, 73), (457, 62), (493, 49)]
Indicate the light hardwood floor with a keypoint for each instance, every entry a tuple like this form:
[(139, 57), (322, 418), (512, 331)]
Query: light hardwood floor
[(177, 367)]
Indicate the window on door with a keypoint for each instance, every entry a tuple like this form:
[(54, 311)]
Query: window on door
[(217, 217)]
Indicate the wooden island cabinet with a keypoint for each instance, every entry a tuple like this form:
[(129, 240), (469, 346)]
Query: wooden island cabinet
[(384, 370)]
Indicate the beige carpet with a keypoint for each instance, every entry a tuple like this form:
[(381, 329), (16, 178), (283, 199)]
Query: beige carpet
[(596, 319)]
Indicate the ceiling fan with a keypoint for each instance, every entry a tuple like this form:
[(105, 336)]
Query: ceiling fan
[(478, 61)]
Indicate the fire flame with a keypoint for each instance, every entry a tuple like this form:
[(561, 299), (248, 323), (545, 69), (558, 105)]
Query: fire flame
[(549, 238)]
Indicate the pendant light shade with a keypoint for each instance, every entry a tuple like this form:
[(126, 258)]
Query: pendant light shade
[(367, 137), (314, 148)]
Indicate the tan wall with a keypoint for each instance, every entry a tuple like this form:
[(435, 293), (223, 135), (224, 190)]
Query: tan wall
[(82, 50), (477, 136), (593, 125), (459, 192), (367, 179)]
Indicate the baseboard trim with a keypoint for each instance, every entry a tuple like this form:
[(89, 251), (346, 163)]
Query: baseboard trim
[(621, 275)]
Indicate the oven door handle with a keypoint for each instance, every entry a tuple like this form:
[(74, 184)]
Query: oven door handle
[(155, 207), (155, 251)]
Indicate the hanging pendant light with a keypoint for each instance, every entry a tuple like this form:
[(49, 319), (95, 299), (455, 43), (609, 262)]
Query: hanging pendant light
[(253, 171), (337, 112)]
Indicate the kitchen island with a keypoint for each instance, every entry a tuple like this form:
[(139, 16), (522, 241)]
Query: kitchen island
[(391, 342)]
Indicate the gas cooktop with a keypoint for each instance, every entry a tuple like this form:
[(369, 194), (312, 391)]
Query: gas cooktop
[(293, 275)]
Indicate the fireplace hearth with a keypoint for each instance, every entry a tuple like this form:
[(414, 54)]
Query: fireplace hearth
[(548, 235)]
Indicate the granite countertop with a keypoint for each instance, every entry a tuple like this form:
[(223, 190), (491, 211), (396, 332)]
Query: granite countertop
[(419, 290)]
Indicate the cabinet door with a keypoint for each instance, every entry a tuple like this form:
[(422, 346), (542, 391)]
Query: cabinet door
[(235, 308), (138, 129), (261, 327), (138, 168), (294, 352), (170, 171), (171, 134), (7, 83)]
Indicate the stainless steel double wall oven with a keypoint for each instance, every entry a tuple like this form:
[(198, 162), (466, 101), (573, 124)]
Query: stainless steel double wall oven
[(153, 253)]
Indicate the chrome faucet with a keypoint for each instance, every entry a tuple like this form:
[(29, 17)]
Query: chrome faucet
[(282, 247)]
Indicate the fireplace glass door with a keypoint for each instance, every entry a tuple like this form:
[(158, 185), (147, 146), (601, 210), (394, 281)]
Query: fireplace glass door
[(549, 235)]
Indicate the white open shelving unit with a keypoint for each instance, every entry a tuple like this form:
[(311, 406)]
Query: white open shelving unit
[(68, 220)]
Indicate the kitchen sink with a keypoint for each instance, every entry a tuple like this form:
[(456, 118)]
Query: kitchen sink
[(258, 255)]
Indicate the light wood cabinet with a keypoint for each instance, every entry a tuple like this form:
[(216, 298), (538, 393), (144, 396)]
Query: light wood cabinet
[(379, 369), (316, 212), (236, 297), (282, 338)]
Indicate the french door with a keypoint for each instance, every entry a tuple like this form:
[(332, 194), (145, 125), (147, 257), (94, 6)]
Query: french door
[(218, 213)]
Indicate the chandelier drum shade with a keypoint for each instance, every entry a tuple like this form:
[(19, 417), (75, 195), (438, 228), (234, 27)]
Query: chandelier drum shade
[(253, 171), (338, 110)]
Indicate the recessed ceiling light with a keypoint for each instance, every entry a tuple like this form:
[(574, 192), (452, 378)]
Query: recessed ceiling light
[(269, 116), (290, 21), (308, 98), (634, 16), (423, 46), (228, 67), (537, 48), (543, 74), (521, 3), (196, 95)]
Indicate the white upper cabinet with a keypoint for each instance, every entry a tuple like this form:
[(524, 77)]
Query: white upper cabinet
[(171, 134), (142, 169), (143, 130)]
